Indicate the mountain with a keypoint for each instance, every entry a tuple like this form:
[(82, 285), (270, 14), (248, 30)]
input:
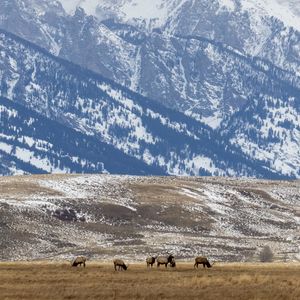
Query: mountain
[(94, 106), (268, 29), (163, 62), (212, 61)]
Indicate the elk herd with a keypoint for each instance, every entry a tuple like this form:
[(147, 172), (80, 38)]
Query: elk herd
[(119, 264)]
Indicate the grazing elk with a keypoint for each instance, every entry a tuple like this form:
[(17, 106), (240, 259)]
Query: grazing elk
[(79, 260), (173, 263), (120, 264), (200, 260), (150, 261), (165, 260)]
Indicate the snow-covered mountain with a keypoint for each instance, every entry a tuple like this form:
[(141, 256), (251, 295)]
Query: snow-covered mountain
[(264, 28), (31, 143), (160, 11), (177, 72), (167, 141), (214, 61)]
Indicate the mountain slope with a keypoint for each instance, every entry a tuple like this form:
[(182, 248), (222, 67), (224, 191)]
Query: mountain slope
[(178, 72), (31, 143), (137, 126), (202, 71), (265, 28), (269, 129)]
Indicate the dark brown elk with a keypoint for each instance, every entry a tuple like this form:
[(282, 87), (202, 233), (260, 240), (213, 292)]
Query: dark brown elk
[(165, 260), (150, 261), (120, 264), (200, 260), (173, 263), (79, 260)]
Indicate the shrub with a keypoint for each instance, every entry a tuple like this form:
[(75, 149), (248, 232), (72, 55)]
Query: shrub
[(266, 254)]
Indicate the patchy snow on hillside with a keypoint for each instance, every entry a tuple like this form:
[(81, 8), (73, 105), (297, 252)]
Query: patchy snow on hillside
[(228, 219)]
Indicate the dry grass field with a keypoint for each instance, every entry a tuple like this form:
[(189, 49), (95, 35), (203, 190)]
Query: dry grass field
[(57, 280)]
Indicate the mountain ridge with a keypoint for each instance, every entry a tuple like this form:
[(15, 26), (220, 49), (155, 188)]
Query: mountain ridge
[(202, 77), (171, 130)]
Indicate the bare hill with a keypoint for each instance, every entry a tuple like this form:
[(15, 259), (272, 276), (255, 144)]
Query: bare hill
[(102, 216)]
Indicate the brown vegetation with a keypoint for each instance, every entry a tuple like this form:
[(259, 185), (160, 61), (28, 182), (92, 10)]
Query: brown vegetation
[(100, 281)]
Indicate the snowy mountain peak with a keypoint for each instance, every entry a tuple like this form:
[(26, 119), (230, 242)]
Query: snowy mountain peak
[(153, 12), (287, 11), (157, 12)]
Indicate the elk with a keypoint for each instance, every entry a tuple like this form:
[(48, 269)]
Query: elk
[(79, 260), (200, 260), (150, 261), (173, 263), (165, 260), (120, 264)]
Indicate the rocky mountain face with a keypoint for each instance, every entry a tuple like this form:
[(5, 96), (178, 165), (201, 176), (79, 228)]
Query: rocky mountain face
[(165, 61), (103, 111), (214, 61)]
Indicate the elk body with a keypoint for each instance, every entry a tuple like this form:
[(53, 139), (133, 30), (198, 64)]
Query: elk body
[(120, 264), (165, 260), (79, 260), (150, 261), (200, 260)]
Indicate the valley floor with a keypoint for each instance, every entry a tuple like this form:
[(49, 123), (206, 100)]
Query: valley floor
[(58, 280)]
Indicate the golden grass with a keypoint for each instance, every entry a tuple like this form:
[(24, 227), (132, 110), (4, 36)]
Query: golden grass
[(48, 280)]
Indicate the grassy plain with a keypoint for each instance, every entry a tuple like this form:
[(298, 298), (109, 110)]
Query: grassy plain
[(57, 280)]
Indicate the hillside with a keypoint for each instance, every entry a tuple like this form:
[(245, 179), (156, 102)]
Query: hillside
[(102, 216)]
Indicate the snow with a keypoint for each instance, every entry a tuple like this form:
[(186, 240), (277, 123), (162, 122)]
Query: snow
[(91, 186), (229, 4), (9, 112), (70, 5), (288, 11), (54, 46), (158, 11), (154, 13), (5, 147), (135, 78), (29, 156), (147, 10)]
